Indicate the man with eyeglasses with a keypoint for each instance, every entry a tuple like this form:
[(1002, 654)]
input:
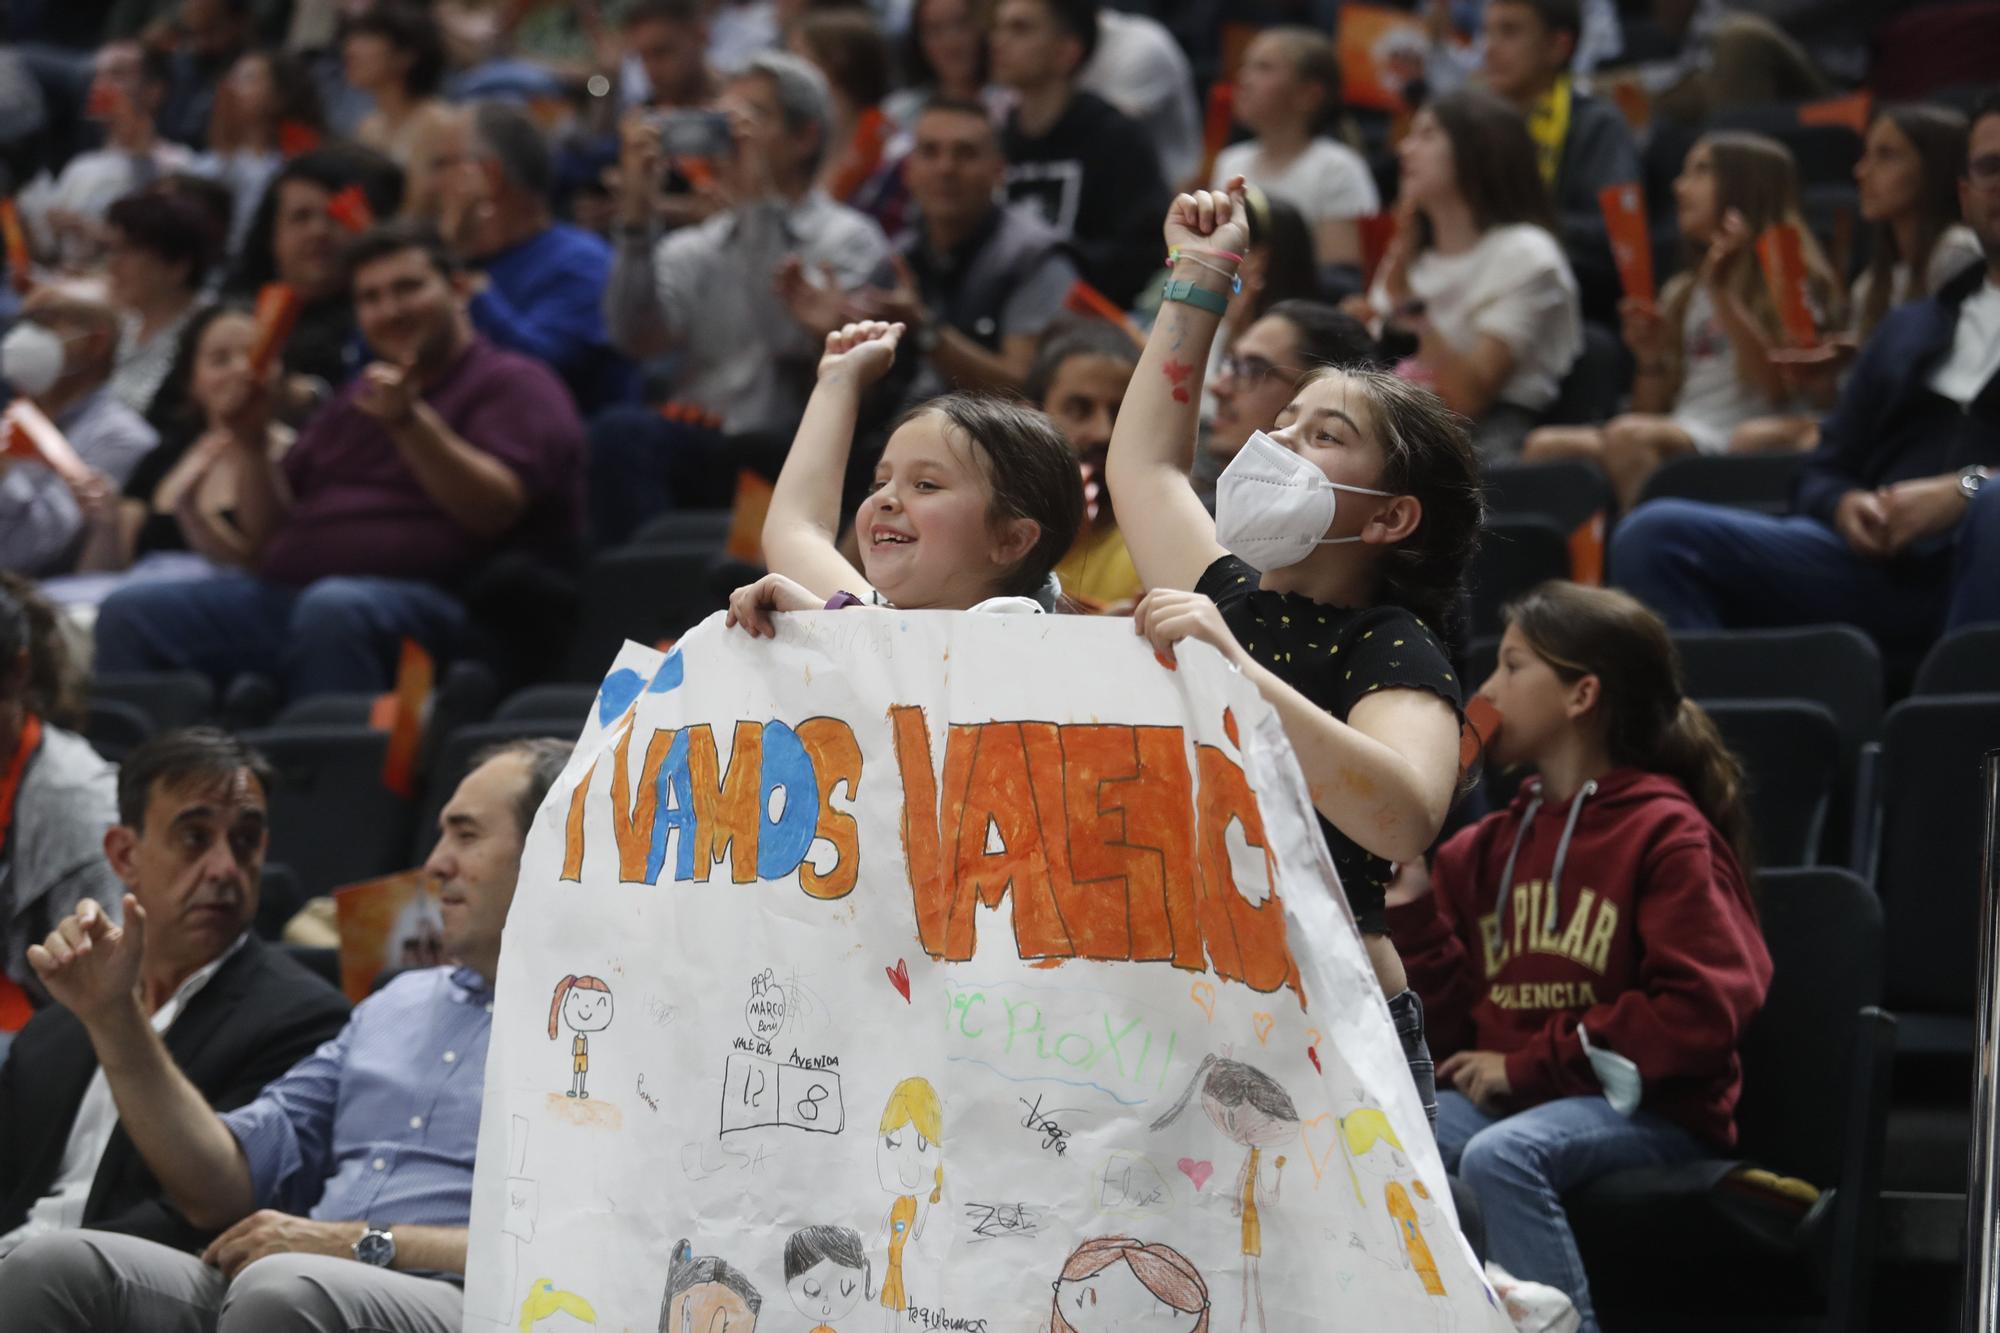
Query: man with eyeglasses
[(1893, 526)]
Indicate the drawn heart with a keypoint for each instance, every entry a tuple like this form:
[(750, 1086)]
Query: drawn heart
[(1198, 1172), (899, 977), (1203, 994), (1263, 1023), (1320, 1125), (1312, 1054)]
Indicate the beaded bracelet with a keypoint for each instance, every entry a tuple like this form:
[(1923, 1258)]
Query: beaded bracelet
[(1180, 250)]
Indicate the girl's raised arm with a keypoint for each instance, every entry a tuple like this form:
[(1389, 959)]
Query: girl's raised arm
[(1171, 537), (802, 527)]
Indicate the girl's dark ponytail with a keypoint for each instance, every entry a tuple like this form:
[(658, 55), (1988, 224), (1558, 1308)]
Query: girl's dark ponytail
[(1692, 752)]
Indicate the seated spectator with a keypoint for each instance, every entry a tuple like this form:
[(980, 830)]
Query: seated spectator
[(175, 516), (296, 239), (64, 215), (982, 280), (1704, 356), (440, 455), (1139, 68), (711, 293), (944, 59), (57, 797), (159, 246), (1908, 176), (1088, 167), (58, 357), (1581, 144), (393, 52), (267, 97), (1891, 528), (1475, 272), (1079, 380), (1609, 1039), (863, 166), (318, 1235), (234, 1012), (207, 39), (1287, 90), (1262, 372), (538, 285)]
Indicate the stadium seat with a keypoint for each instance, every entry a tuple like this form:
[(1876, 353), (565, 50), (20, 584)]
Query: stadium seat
[(1825, 154), (1744, 481), (548, 703), (115, 728), (1967, 662), (1836, 666), (278, 900), (332, 820), (322, 963), (1515, 553), (1569, 493), (1922, 853), (172, 699), (685, 527), (1589, 393), (644, 593), (1699, 1246), (1790, 752), (454, 760)]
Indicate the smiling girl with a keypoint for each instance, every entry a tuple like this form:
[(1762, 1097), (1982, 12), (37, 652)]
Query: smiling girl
[(1339, 630), (973, 502)]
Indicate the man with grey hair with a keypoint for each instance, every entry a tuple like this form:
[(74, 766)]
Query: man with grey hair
[(344, 1190), (708, 290), (535, 282)]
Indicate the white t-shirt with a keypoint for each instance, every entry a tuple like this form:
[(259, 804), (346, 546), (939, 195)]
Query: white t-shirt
[(1513, 285), (1956, 250), (1975, 347), (61, 1209), (1327, 180), (1713, 400), (1139, 68)]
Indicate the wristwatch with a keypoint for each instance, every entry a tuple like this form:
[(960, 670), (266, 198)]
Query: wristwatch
[(376, 1248), (1970, 479)]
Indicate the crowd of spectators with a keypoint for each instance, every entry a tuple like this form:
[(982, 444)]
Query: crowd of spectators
[(329, 327)]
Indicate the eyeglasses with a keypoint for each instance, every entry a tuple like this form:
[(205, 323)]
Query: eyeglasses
[(1253, 370)]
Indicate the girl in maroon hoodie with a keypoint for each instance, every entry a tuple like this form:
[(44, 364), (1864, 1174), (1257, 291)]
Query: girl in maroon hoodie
[(1589, 957)]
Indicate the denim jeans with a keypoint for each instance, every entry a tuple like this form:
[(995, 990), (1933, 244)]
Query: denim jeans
[(1520, 1165), (1707, 566), (338, 635)]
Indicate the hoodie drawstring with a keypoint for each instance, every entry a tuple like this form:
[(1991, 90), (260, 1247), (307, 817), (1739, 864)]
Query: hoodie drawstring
[(1562, 855)]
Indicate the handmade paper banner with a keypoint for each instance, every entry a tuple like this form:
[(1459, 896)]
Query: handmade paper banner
[(897, 973)]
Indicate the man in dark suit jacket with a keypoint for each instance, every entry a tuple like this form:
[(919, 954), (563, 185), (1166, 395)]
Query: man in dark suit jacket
[(235, 1012)]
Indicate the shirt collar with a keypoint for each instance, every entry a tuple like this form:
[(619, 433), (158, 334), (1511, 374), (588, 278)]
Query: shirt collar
[(201, 976), (474, 986)]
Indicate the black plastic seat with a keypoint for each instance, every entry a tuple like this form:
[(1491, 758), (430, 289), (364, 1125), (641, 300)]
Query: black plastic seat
[(332, 820), (644, 593), (548, 703), (278, 900), (1516, 552), (1569, 492), (1790, 752), (453, 760), (173, 699), (1816, 1064), (685, 527), (115, 728), (1967, 662), (1744, 481)]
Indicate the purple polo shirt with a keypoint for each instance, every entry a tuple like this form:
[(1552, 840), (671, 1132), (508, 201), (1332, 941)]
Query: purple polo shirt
[(359, 510)]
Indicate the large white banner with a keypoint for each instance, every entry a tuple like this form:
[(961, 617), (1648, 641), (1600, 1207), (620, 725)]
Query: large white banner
[(945, 971)]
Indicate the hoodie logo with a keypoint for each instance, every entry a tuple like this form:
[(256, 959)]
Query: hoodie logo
[(1533, 926)]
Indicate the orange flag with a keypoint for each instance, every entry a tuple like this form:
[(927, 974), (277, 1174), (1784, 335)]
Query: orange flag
[(351, 210), (19, 263), (1781, 253), (277, 312), (31, 435), (415, 674), (746, 518)]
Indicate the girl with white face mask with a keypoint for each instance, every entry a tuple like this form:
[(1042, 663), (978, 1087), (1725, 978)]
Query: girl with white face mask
[(1336, 557)]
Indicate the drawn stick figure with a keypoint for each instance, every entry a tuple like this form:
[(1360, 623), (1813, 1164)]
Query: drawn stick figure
[(584, 1004)]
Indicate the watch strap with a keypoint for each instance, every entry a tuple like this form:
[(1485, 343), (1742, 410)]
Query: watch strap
[(1188, 293)]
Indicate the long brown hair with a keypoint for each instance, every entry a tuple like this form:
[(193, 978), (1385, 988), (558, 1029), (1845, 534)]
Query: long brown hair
[(1756, 176), (1493, 157), (1162, 1270), (1939, 136), (1649, 723), (30, 624)]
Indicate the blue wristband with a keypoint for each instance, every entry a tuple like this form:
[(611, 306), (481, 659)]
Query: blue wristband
[(1187, 293)]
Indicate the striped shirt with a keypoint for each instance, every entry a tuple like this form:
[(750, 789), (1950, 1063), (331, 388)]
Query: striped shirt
[(379, 1124)]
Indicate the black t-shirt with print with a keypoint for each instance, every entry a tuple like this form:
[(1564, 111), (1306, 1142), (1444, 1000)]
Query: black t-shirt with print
[(1335, 657)]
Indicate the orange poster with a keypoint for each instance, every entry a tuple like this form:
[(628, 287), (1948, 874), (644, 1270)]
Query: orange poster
[(1631, 246), (1381, 51), (391, 922), (19, 263), (1780, 251), (746, 518), (277, 311), (31, 435)]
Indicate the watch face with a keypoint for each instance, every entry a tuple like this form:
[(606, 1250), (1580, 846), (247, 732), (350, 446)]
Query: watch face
[(375, 1248)]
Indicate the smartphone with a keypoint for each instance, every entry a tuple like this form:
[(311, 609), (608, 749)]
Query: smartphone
[(705, 135)]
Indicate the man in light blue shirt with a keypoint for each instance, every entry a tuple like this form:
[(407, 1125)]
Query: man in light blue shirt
[(346, 1187)]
